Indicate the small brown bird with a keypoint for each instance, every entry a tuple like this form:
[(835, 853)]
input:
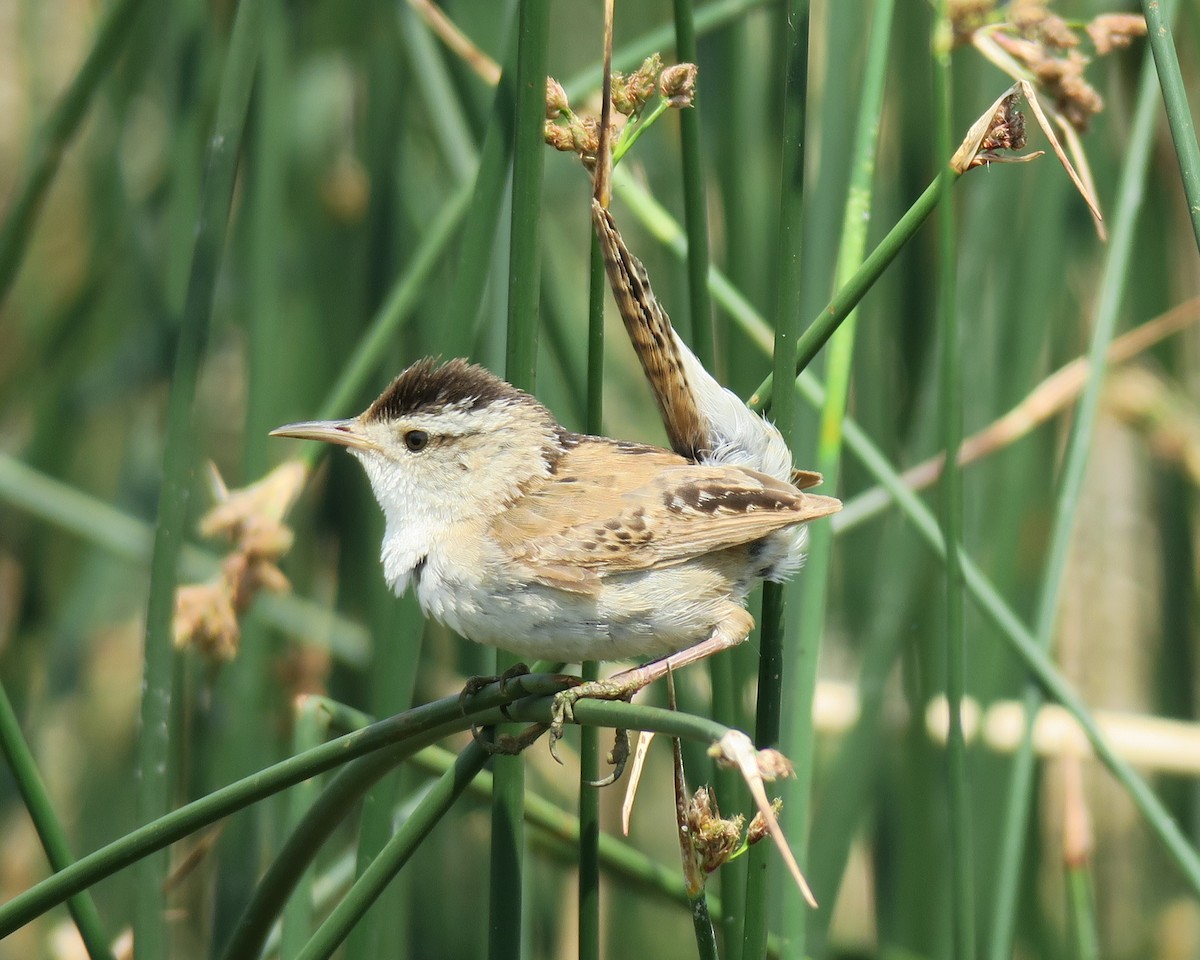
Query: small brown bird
[(518, 533)]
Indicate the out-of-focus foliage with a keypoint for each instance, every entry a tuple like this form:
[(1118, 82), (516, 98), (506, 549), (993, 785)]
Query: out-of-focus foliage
[(362, 128)]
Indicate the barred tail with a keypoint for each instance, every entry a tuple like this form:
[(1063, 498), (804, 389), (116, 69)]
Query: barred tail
[(705, 422)]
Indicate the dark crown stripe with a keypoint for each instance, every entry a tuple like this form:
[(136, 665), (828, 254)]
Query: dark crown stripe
[(427, 386)]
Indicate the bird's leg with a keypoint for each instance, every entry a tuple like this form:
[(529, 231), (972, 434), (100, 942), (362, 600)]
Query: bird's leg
[(729, 632)]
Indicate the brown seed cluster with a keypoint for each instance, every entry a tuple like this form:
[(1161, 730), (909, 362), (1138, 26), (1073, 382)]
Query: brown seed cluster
[(1007, 129), (206, 614), (1051, 49), (712, 838), (631, 93)]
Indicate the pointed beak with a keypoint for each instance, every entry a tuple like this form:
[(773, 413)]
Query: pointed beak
[(345, 433)]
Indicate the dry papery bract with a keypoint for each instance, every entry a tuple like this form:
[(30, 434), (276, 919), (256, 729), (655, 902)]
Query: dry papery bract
[(1047, 55), (1027, 40), (206, 614)]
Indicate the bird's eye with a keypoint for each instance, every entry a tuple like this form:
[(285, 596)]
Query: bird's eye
[(416, 440)]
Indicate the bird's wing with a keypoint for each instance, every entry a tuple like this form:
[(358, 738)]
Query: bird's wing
[(616, 508)]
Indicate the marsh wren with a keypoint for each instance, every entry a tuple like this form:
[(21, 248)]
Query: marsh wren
[(521, 534)]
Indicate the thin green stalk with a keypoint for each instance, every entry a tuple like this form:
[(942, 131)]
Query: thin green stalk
[(248, 695), (57, 132), (1117, 268), (311, 726), (854, 289), (405, 294), (635, 128), (483, 214), (524, 286), (266, 202), (799, 741), (950, 403), (399, 849), (49, 830), (524, 289), (156, 733), (294, 860), (702, 339), (655, 218), (393, 683), (777, 618), (1081, 913), (589, 737), (420, 725), (1179, 114)]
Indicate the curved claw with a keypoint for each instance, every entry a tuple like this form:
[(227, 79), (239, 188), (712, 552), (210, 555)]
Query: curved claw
[(619, 757), (562, 712)]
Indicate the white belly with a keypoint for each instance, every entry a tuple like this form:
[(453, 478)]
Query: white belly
[(647, 614)]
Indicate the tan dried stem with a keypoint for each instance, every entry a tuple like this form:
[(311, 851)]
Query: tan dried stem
[(689, 853), (1077, 821), (1162, 414), (601, 184), (462, 46), (1048, 398)]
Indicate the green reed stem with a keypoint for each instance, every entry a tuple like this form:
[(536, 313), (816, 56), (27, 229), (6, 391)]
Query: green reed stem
[(312, 721), (1082, 924), (483, 214), (396, 853), (1116, 271), (799, 742), (156, 733), (524, 290), (57, 132), (589, 737), (49, 830), (426, 723), (776, 637), (1179, 114), (695, 198), (950, 404)]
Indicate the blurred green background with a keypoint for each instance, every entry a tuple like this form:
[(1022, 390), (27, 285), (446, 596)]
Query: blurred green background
[(361, 129)]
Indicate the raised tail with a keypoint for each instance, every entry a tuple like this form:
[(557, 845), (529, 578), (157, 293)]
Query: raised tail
[(705, 422)]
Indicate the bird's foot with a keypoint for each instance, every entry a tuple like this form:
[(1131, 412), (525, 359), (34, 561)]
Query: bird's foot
[(620, 687), (505, 744), (475, 684), (508, 745)]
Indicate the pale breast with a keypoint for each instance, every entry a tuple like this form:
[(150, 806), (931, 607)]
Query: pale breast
[(644, 613)]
